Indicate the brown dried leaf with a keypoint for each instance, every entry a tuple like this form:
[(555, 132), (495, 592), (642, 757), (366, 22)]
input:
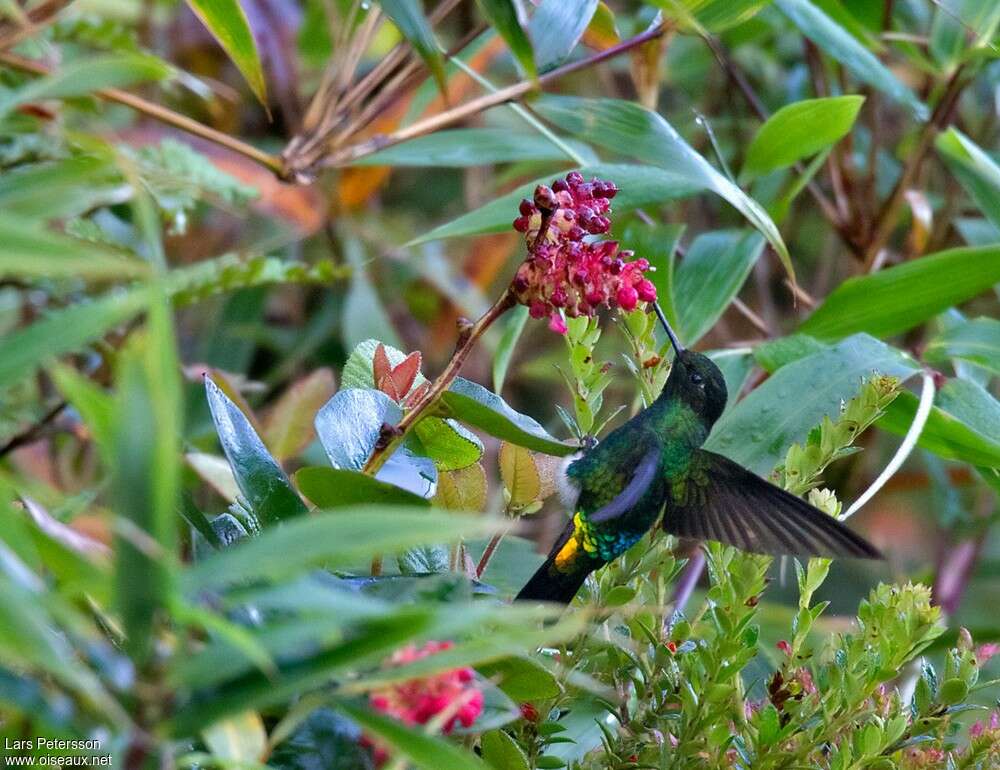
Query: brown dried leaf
[(288, 427), (520, 474), (462, 490)]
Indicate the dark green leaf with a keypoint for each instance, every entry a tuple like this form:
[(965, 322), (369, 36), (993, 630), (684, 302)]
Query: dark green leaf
[(522, 678), (976, 341), (262, 482), (657, 243), (710, 276), (963, 424), (512, 329), (501, 752), (86, 75), (408, 16), (509, 19), (228, 24), (462, 147), (477, 406), (840, 45), (975, 170), (333, 540), (799, 130), (556, 27), (59, 189), (31, 251), (337, 488), (900, 297), (628, 127), (758, 430), (147, 476)]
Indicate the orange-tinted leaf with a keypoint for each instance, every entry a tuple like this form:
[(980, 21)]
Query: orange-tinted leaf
[(381, 368), (406, 372), (288, 428), (601, 32)]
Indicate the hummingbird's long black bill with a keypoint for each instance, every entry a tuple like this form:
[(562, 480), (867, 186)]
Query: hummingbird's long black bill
[(678, 348)]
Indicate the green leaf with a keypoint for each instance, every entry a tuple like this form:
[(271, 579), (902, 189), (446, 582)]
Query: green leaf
[(512, 329), (657, 243), (556, 27), (837, 43), (630, 128), (774, 354), (336, 488), (59, 189), (147, 476), (522, 678), (900, 297), (424, 751), (228, 24), (363, 316), (31, 251), (96, 407), (976, 341), (799, 130), (713, 15), (261, 480), (350, 424), (87, 75), (501, 752), (638, 186), (758, 430), (332, 540), (710, 275), (408, 16), (464, 147), (509, 19), (960, 27), (70, 328), (446, 442), (477, 406), (974, 169), (963, 424)]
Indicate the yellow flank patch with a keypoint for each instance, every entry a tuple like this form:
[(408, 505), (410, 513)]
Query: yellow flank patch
[(566, 553)]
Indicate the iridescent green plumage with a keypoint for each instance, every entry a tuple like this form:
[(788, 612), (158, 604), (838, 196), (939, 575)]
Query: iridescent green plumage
[(654, 466)]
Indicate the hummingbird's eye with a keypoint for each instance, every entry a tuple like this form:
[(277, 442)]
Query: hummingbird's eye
[(696, 378)]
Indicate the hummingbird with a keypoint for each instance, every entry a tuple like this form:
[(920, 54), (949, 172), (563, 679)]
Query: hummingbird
[(653, 468)]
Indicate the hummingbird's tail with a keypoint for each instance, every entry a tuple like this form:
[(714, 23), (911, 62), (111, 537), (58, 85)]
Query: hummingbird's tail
[(562, 573), (549, 584)]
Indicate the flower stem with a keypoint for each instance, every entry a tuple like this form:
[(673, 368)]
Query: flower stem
[(466, 341), (488, 554)]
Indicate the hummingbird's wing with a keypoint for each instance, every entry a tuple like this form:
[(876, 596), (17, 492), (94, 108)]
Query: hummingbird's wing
[(626, 500), (717, 499)]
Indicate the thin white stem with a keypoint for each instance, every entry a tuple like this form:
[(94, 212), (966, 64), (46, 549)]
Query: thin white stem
[(909, 442), (522, 113)]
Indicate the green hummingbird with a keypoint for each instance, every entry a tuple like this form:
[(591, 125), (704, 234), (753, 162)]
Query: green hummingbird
[(653, 467)]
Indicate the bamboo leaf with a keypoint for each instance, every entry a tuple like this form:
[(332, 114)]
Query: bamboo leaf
[(509, 19), (799, 130), (900, 297), (229, 25), (839, 44), (408, 16)]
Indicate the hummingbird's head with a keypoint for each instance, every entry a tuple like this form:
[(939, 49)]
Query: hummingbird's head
[(694, 379), (699, 383)]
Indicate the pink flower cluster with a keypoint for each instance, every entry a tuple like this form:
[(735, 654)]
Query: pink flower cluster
[(566, 271), (418, 701)]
